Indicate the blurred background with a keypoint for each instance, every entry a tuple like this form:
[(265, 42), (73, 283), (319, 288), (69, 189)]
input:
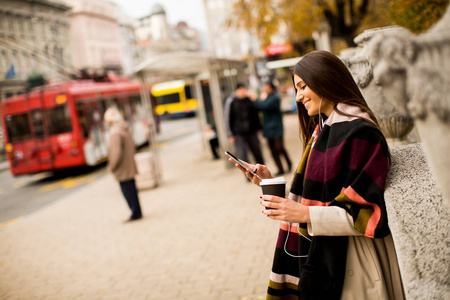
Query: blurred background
[(168, 66), (63, 62), (59, 40)]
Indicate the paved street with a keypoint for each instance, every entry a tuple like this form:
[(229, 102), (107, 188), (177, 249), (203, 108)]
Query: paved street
[(24, 194), (203, 236)]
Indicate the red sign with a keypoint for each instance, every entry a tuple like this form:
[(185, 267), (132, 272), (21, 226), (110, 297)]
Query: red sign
[(275, 49)]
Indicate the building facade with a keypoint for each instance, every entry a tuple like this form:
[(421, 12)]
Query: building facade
[(95, 36), (128, 41), (153, 32), (34, 37), (225, 42), (156, 36), (185, 38)]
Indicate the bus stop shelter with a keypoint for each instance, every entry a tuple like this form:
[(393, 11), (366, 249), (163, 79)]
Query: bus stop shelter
[(221, 74)]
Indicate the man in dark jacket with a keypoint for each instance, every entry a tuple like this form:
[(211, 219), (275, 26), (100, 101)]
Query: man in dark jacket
[(121, 164), (242, 124)]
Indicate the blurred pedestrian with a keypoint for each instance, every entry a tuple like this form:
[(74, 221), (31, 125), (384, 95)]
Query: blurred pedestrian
[(270, 105), (211, 135), (121, 164), (242, 124), (334, 240)]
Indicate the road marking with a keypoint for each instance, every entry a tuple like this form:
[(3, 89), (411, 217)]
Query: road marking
[(40, 176), (1, 191), (160, 145), (53, 186), (19, 184), (74, 182), (69, 182), (10, 222)]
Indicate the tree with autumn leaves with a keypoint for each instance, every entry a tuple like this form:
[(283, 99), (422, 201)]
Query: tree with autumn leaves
[(296, 20)]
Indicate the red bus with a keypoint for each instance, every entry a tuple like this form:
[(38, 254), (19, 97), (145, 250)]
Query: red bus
[(61, 125)]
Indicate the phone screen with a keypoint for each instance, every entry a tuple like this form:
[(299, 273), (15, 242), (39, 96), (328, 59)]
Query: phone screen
[(239, 162)]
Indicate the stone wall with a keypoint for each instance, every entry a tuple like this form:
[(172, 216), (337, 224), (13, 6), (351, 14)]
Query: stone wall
[(420, 225)]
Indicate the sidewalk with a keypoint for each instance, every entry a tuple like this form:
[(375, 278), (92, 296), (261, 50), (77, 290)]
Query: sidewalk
[(4, 165), (203, 236)]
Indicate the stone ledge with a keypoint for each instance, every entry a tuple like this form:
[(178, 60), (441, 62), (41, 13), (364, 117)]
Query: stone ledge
[(419, 223)]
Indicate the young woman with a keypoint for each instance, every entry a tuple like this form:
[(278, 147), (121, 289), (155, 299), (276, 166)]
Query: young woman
[(334, 240)]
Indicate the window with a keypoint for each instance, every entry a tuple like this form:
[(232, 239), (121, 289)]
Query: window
[(58, 120), (4, 61), (187, 90), (168, 99), (34, 62), (30, 28), (137, 107), (82, 119), (9, 20), (38, 123), (25, 62), (18, 128), (2, 17), (21, 24)]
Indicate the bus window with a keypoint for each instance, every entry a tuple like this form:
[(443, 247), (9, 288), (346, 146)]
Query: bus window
[(38, 123), (168, 99), (187, 91), (108, 102), (125, 110), (59, 120), (82, 119), (103, 106), (18, 128)]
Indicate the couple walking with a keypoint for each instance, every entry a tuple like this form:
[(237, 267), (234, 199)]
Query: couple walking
[(242, 124)]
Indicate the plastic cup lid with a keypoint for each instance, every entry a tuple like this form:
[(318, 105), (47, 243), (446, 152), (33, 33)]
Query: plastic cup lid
[(277, 180)]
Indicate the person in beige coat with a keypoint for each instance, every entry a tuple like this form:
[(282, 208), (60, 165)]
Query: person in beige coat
[(334, 240), (121, 164)]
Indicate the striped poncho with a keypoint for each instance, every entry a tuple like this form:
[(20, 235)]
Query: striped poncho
[(344, 165)]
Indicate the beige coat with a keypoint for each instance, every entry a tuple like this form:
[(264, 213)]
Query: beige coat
[(372, 271), (121, 150)]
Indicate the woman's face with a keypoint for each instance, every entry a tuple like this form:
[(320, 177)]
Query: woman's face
[(311, 100)]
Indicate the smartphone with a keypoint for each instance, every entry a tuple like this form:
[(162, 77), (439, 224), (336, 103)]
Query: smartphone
[(239, 162)]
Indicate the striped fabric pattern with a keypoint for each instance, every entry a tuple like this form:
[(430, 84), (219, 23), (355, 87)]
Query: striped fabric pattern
[(345, 165)]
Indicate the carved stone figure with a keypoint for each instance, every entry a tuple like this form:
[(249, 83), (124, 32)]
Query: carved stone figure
[(396, 125), (414, 72)]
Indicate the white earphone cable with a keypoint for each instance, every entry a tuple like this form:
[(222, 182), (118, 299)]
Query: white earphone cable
[(320, 116), (287, 237)]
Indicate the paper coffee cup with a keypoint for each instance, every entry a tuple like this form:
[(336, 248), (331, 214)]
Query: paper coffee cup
[(274, 186)]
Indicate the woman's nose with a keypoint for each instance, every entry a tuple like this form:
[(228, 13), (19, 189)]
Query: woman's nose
[(299, 96)]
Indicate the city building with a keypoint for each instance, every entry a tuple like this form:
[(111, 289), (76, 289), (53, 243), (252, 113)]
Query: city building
[(185, 38), (156, 36), (153, 32), (34, 37), (128, 41), (229, 43), (95, 36)]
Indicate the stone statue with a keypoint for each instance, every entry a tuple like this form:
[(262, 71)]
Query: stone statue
[(414, 73), (396, 125)]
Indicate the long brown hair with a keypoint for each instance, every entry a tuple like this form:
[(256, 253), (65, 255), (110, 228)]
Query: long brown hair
[(327, 76)]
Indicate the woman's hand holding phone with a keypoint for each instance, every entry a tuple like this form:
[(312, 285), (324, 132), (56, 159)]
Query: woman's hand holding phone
[(254, 172)]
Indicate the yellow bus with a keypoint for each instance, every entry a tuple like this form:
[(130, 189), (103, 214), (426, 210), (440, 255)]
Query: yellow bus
[(174, 99)]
